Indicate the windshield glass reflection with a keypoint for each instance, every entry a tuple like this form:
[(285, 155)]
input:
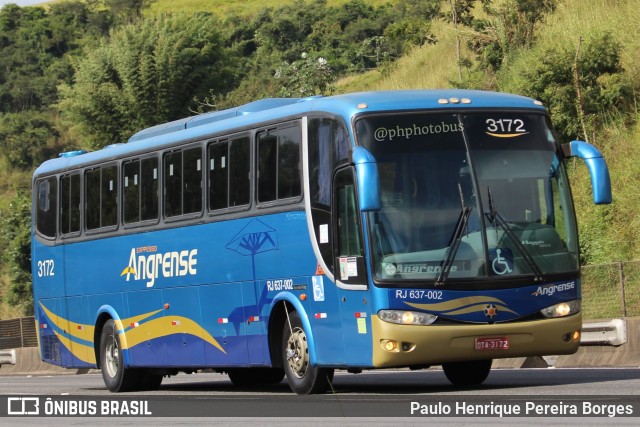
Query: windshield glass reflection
[(468, 196)]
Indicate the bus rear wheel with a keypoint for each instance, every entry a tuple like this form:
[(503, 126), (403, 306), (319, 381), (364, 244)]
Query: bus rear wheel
[(303, 378), (116, 377), (467, 373)]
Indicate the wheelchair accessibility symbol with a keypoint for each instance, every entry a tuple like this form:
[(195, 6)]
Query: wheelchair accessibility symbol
[(318, 288), (502, 261)]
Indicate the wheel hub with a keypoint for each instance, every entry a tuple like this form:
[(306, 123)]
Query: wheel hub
[(112, 358), (298, 352)]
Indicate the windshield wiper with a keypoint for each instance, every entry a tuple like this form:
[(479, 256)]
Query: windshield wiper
[(494, 216), (454, 244)]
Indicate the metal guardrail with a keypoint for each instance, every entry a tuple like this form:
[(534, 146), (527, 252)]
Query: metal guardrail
[(17, 333), (610, 332), (7, 357)]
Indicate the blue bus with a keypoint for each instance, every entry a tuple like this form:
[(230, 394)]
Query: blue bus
[(294, 237)]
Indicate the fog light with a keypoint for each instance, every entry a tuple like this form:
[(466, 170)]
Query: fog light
[(576, 335), (390, 345)]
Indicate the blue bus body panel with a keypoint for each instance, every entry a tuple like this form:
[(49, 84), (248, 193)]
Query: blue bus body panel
[(210, 309)]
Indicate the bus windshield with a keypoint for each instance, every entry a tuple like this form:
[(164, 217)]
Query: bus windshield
[(468, 196)]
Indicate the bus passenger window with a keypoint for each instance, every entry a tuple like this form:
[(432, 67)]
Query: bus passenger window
[(92, 194), (140, 190), (218, 175), (289, 163), (70, 204), (109, 202), (279, 164), (192, 181), (173, 184), (46, 209), (101, 192), (131, 191), (149, 189), (267, 166), (183, 182), (229, 173), (239, 171)]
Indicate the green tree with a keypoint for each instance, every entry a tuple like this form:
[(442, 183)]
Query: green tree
[(24, 137), (145, 74), (16, 239), (127, 11), (34, 43), (601, 79), (510, 25), (308, 76)]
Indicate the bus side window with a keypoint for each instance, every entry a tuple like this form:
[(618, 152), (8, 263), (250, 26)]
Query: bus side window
[(47, 207), (92, 194), (239, 171), (279, 164), (149, 189), (183, 182), (350, 258), (173, 184), (267, 166), (289, 140), (347, 214), (109, 203), (131, 192), (328, 149), (192, 180), (140, 190), (101, 192), (229, 173), (219, 175), (70, 204)]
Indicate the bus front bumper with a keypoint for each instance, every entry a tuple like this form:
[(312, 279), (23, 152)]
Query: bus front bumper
[(433, 345)]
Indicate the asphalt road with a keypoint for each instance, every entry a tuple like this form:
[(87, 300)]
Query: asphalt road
[(366, 399)]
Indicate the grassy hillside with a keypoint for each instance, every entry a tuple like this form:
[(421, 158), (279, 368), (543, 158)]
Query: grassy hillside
[(228, 7)]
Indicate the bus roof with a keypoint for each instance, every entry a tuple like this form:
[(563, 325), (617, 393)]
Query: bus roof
[(270, 109)]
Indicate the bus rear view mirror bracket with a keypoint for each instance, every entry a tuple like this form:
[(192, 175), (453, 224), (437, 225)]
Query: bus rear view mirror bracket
[(368, 179), (592, 157)]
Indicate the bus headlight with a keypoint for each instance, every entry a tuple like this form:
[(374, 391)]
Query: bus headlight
[(406, 317), (562, 309)]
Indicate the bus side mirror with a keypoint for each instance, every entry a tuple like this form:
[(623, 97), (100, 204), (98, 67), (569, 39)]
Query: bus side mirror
[(600, 181), (368, 180)]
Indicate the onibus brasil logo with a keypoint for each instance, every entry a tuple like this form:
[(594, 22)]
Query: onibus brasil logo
[(146, 263)]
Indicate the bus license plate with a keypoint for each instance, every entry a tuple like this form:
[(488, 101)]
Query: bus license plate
[(492, 343)]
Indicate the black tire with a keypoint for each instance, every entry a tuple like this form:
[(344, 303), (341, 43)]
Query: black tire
[(255, 376), (470, 373), (301, 376), (116, 377)]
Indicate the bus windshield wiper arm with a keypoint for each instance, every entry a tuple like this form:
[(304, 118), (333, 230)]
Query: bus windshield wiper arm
[(495, 217), (454, 244)]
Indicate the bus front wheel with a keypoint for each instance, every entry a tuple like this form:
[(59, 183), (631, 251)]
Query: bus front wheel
[(116, 377), (303, 378), (467, 373)]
